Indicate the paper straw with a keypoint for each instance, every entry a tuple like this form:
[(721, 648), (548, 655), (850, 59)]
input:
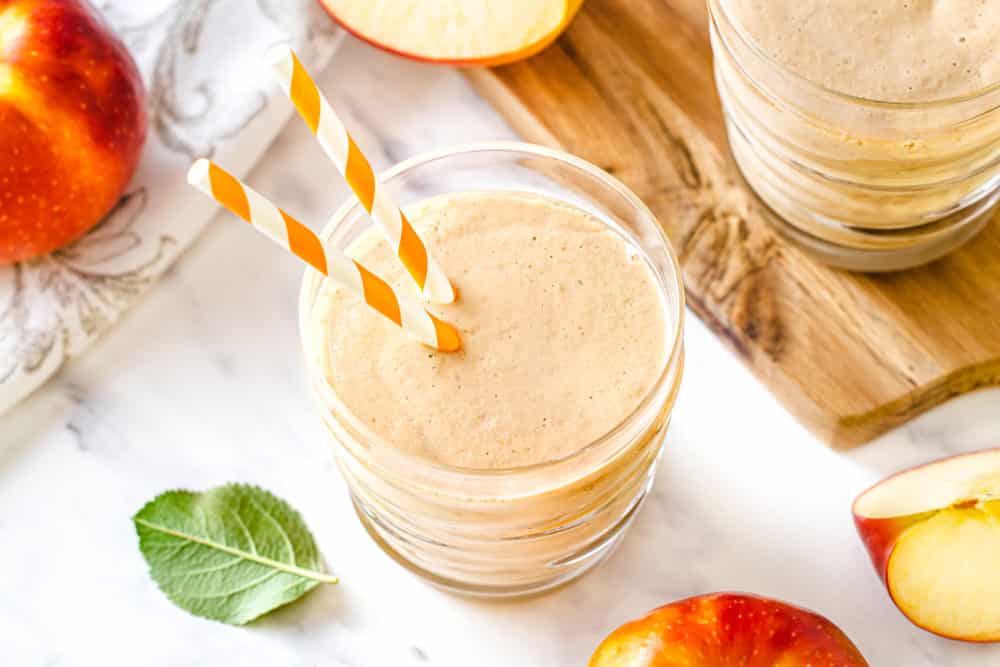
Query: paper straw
[(354, 167), (292, 235)]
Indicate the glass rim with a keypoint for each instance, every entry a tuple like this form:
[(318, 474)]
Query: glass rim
[(671, 280), (859, 100)]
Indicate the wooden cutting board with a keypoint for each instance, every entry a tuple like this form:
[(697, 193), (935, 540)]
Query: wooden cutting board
[(629, 87)]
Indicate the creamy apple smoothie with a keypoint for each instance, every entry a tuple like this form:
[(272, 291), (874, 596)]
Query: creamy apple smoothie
[(872, 127), (562, 330), (895, 50), (565, 335)]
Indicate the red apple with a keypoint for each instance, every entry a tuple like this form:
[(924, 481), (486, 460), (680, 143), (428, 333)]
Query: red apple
[(72, 123), (456, 32), (728, 629), (933, 533)]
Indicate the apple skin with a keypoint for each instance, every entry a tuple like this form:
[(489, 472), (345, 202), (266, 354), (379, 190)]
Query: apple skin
[(728, 629), (572, 7), (72, 123), (880, 537)]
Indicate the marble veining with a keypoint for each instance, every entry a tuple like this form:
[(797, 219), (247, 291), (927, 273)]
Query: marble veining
[(203, 384)]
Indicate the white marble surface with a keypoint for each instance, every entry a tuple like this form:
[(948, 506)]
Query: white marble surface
[(202, 384)]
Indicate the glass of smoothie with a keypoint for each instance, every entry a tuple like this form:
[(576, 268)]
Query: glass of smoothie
[(871, 131), (517, 463)]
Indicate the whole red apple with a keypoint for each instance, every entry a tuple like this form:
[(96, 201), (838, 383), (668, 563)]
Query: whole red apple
[(72, 123), (728, 630)]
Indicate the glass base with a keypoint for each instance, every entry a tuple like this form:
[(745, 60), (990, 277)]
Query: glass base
[(854, 248), (878, 260), (563, 572)]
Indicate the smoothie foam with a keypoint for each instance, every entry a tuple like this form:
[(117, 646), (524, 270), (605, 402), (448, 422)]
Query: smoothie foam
[(892, 50), (562, 324)]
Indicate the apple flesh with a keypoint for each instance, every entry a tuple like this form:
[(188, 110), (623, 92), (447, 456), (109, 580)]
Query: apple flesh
[(72, 123), (726, 629), (933, 534), (456, 32)]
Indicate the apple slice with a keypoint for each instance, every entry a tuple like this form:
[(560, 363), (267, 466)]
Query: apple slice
[(933, 533), (728, 629), (457, 32)]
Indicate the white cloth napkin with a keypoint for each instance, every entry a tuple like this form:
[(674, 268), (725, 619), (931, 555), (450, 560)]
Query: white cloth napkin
[(210, 94)]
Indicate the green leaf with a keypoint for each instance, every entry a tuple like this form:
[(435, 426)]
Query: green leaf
[(230, 554)]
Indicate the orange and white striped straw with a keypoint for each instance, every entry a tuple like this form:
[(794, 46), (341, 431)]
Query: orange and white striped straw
[(291, 234), (354, 167)]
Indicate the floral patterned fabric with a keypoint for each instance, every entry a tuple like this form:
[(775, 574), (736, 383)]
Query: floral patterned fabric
[(211, 95)]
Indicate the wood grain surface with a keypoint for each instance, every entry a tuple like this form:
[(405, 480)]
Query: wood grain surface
[(629, 87)]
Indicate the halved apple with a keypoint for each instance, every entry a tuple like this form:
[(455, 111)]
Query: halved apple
[(456, 32), (728, 629), (933, 533)]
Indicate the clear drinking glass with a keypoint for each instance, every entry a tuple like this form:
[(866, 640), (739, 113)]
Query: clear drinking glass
[(870, 185), (520, 530)]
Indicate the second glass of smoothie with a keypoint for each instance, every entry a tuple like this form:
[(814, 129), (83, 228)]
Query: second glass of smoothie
[(516, 464), (870, 130)]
